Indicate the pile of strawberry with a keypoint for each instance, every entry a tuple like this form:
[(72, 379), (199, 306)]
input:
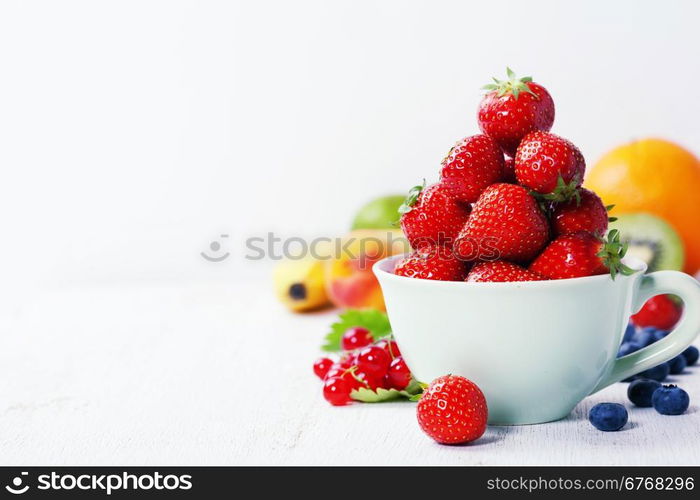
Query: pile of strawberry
[(509, 205)]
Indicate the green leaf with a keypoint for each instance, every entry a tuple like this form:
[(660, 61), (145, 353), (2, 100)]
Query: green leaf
[(375, 321), (510, 73), (366, 395)]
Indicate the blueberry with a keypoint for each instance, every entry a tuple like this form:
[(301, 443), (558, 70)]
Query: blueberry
[(644, 337), (608, 416), (628, 348), (658, 373), (641, 390), (670, 400), (629, 332), (691, 355), (659, 334), (677, 364)]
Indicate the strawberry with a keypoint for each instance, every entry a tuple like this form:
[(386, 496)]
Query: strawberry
[(660, 311), (431, 216), (452, 410), (500, 271), (549, 165), (436, 263), (473, 164), (581, 254), (506, 223), (584, 212), (509, 170), (513, 108)]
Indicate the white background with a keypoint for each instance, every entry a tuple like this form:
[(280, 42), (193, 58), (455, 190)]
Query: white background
[(133, 133)]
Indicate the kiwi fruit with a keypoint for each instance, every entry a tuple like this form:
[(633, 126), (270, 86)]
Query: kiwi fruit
[(651, 239)]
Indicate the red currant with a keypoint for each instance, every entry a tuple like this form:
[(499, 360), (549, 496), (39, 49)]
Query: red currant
[(374, 361), (390, 347), (335, 370), (399, 376), (321, 367), (337, 391), (348, 360), (368, 381), (356, 337)]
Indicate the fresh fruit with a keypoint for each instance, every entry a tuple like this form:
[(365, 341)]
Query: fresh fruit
[(473, 164), (655, 176), (677, 365), (628, 348), (509, 170), (373, 320), (550, 165), (652, 240), (431, 216), (437, 263), (337, 391), (368, 380), (580, 254), (398, 376), (321, 367), (452, 410), (670, 400), (658, 372), (641, 390), (390, 346), (356, 337), (584, 212), (374, 360), (629, 332), (350, 282), (660, 311), (500, 271), (644, 337), (691, 355), (512, 108), (608, 416), (380, 213), (300, 284), (507, 223)]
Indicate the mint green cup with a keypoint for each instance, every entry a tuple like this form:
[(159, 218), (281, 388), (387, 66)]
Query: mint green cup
[(535, 348)]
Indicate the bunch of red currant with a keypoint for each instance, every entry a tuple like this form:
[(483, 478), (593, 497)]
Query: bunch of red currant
[(362, 364)]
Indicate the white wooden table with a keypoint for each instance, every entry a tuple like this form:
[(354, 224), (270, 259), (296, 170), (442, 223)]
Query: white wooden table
[(175, 375)]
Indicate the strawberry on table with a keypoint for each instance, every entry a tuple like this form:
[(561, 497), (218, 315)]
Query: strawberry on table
[(512, 108), (437, 263), (581, 254), (501, 271), (473, 164), (432, 216), (550, 165), (506, 223), (584, 212), (452, 410)]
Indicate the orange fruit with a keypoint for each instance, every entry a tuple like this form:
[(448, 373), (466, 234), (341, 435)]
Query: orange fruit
[(655, 176)]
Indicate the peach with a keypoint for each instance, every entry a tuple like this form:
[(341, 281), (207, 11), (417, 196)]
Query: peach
[(350, 282)]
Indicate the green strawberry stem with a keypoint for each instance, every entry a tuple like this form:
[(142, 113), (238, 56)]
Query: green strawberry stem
[(513, 85), (564, 192), (411, 199), (611, 253)]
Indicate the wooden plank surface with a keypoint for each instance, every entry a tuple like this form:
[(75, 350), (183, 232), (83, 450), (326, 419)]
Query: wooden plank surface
[(222, 375)]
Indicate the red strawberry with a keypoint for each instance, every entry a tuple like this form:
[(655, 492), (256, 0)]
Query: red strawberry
[(550, 165), (437, 263), (581, 254), (473, 164), (452, 410), (506, 223), (584, 212), (509, 170), (500, 271), (512, 109), (660, 311), (431, 216)]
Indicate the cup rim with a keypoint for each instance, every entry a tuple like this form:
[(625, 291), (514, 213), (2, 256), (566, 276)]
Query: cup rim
[(639, 266)]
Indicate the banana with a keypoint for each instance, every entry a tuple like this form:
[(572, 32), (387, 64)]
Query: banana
[(300, 283)]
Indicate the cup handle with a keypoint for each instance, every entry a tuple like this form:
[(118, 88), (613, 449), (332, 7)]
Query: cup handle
[(677, 283)]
